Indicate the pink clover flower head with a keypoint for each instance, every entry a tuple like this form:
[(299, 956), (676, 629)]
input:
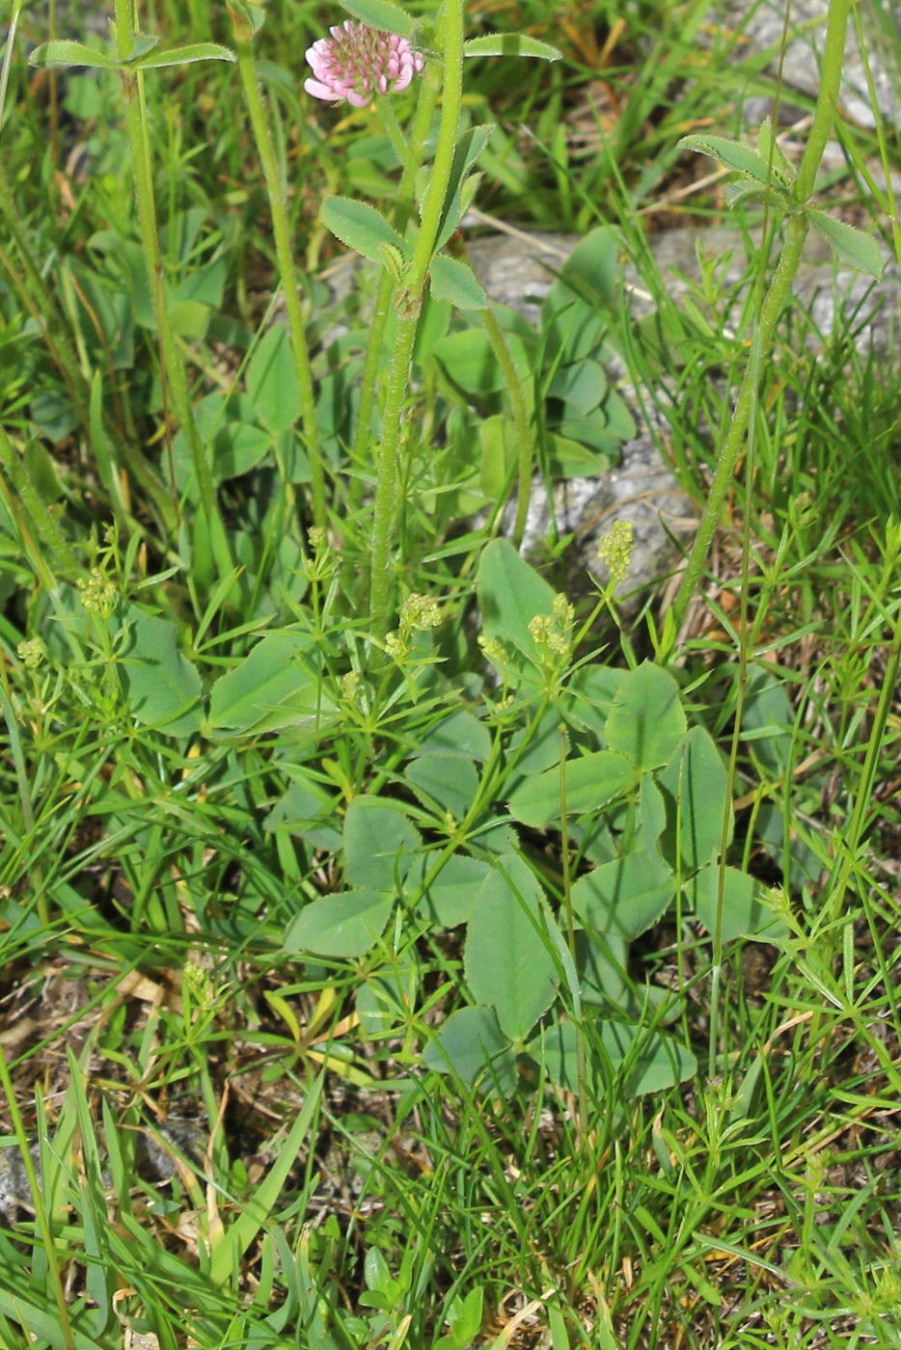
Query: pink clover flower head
[(356, 63)]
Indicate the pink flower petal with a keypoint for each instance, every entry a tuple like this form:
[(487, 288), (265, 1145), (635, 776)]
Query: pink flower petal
[(357, 62), (321, 90)]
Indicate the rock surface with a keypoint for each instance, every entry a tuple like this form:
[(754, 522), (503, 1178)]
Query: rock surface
[(760, 27), (518, 269)]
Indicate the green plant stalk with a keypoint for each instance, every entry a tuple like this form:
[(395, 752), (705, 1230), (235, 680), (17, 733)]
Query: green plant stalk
[(8, 54), (422, 120), (371, 365), (387, 473), (450, 41), (852, 837), (288, 275), (566, 887), (828, 99), (776, 298), (173, 368)]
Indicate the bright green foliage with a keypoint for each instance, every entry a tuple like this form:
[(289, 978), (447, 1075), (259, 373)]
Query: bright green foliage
[(453, 281), (745, 909), (380, 844), (511, 594), (446, 918), (625, 896), (510, 44), (271, 387), (381, 14), (590, 782), (509, 961), (275, 686), (453, 896), (637, 1061), (699, 813), (452, 785), (346, 924), (361, 227), (471, 1044), (647, 721), (164, 687)]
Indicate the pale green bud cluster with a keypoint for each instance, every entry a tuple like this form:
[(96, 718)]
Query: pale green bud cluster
[(417, 612), (553, 633), (494, 651), (396, 645), (98, 593), (615, 550), (31, 653), (198, 985), (321, 563), (350, 686)]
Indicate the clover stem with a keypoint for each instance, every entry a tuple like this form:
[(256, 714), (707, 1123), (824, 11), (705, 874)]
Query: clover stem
[(387, 494), (422, 120)]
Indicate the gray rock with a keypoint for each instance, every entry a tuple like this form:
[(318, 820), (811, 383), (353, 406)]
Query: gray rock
[(641, 490), (518, 269), (759, 26), (823, 287), (156, 1160), (15, 1192)]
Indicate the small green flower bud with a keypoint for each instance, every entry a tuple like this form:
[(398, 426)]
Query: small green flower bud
[(564, 612), (31, 653), (494, 651), (552, 633), (396, 645), (615, 550), (198, 984), (98, 593), (419, 611), (540, 630), (350, 685)]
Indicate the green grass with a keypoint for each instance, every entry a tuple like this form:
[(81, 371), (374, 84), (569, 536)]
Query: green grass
[(685, 1136)]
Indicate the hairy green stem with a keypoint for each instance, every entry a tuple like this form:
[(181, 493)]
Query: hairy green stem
[(173, 368), (828, 98), (288, 274), (372, 363), (774, 302), (450, 41), (360, 456), (387, 474)]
